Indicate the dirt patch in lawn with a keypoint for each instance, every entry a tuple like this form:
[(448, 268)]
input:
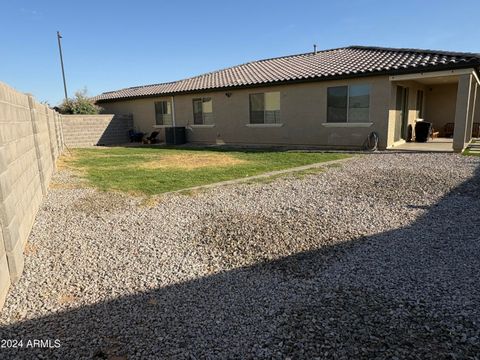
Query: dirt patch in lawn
[(191, 161), (64, 161)]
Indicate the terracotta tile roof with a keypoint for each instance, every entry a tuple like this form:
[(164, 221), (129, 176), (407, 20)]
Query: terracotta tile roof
[(345, 62)]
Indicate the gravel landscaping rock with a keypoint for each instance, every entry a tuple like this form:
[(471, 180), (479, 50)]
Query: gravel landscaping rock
[(376, 258)]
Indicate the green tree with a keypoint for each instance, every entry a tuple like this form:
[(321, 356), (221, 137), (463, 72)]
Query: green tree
[(81, 104)]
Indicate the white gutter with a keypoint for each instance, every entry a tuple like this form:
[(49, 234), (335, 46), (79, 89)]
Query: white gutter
[(173, 119), (426, 75), (173, 111)]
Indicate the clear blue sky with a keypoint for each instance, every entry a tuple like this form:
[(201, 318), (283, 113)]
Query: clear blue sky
[(109, 45)]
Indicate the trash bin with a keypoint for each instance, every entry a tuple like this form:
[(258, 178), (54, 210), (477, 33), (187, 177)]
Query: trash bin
[(423, 130), (175, 135)]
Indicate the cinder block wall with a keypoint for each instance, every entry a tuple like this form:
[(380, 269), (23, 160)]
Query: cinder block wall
[(30, 142), (32, 136), (90, 130)]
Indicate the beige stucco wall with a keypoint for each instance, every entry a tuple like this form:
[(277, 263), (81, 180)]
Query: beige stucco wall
[(303, 114), (440, 105)]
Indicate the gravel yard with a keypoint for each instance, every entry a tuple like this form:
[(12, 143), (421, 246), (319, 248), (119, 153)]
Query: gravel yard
[(376, 258)]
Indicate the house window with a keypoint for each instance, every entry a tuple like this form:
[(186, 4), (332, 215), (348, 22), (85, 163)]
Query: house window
[(202, 111), (163, 112), (265, 108), (420, 104), (348, 104)]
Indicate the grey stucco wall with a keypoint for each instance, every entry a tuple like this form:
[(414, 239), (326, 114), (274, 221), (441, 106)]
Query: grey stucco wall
[(30, 142), (90, 130)]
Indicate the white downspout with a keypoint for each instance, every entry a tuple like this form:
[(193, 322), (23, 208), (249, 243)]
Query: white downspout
[(173, 120), (173, 111)]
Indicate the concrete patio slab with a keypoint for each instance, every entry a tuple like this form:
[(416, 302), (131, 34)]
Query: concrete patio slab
[(434, 145)]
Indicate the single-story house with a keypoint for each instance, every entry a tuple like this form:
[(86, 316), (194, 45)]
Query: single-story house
[(331, 98)]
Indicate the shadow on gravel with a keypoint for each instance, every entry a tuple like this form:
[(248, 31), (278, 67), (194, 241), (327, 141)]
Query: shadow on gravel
[(409, 293)]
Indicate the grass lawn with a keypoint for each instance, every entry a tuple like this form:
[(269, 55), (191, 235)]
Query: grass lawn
[(153, 171), (468, 152), (475, 151)]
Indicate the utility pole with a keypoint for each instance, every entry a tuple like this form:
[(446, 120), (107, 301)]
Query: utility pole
[(61, 62)]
